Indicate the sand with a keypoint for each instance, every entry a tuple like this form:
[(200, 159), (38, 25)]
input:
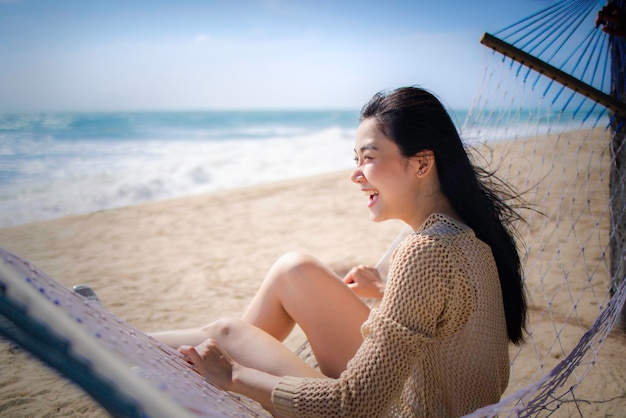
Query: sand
[(185, 262)]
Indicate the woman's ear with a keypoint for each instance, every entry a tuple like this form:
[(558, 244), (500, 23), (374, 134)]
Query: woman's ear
[(424, 161)]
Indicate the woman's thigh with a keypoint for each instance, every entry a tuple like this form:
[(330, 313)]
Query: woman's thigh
[(328, 312)]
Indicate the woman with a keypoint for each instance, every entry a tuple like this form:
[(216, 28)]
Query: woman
[(437, 345)]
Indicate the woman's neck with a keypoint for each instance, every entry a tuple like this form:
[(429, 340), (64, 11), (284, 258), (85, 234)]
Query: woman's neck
[(433, 202)]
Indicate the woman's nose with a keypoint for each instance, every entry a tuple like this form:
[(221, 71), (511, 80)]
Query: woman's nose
[(357, 175)]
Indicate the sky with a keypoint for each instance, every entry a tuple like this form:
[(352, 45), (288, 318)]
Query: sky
[(144, 55)]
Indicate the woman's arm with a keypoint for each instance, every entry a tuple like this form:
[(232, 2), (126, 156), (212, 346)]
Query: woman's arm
[(395, 335)]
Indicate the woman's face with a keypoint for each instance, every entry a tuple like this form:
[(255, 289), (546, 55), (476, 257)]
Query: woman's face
[(386, 178)]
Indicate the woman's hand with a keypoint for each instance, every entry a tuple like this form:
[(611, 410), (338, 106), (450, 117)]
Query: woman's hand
[(365, 281), (212, 362)]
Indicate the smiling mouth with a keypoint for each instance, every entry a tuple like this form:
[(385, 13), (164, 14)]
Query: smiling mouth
[(372, 196)]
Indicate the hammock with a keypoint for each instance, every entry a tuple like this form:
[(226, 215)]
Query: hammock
[(550, 107), (129, 373)]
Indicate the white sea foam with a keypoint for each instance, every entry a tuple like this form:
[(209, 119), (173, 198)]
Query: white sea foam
[(61, 178)]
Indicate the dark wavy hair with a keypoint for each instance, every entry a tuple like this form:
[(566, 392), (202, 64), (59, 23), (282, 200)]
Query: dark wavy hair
[(415, 120)]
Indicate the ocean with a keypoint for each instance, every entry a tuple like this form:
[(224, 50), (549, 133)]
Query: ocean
[(58, 164), (52, 165)]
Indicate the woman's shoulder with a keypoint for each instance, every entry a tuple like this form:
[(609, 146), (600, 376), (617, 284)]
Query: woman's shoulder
[(436, 237), (438, 224), (436, 229)]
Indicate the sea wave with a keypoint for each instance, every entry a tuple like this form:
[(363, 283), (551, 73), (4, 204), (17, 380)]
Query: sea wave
[(43, 177)]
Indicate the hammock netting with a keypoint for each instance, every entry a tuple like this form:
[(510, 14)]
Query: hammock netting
[(557, 146), (560, 149)]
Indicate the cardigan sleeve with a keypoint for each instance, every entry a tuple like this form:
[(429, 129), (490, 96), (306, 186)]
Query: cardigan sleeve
[(394, 335)]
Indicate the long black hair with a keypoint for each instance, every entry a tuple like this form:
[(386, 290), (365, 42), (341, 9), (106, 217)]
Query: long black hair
[(415, 120)]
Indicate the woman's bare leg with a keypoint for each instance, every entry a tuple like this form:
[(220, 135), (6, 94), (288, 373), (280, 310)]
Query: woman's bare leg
[(297, 289), (300, 289), (253, 347)]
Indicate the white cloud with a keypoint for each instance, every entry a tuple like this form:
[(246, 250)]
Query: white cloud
[(200, 39)]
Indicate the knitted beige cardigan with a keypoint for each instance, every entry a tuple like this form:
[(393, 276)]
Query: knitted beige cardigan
[(436, 346)]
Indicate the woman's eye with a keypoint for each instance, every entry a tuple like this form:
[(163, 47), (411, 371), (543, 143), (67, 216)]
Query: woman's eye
[(365, 157)]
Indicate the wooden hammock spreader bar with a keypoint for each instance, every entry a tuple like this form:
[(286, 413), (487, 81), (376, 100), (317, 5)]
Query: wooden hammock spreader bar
[(554, 73)]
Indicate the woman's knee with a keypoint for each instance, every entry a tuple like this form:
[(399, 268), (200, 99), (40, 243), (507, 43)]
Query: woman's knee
[(223, 328), (298, 265), (301, 278)]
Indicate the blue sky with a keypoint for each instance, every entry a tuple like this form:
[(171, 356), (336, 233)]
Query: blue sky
[(118, 55)]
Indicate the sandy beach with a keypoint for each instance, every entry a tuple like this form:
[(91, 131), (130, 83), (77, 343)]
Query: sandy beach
[(185, 262)]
